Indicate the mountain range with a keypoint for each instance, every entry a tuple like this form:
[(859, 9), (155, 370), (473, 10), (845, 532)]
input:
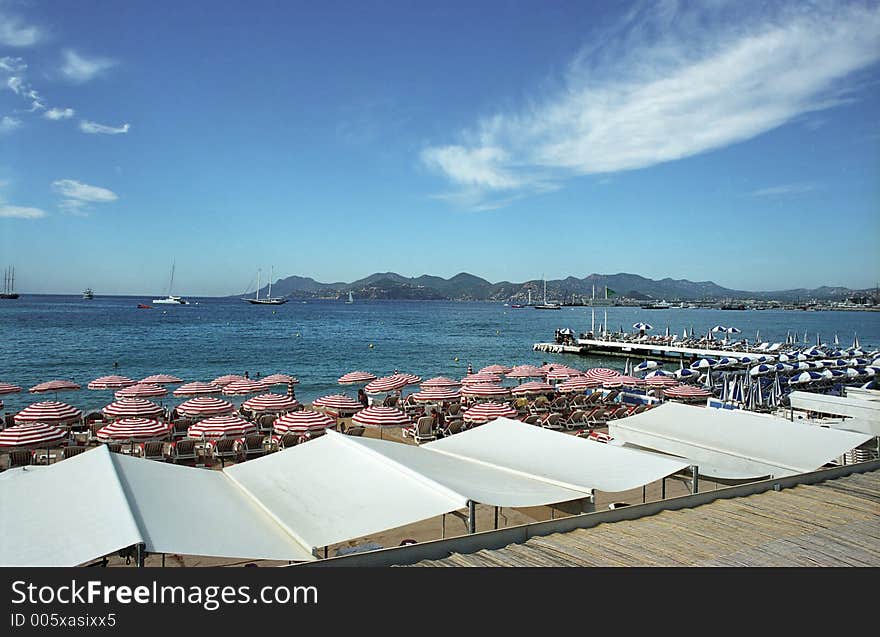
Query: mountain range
[(467, 287)]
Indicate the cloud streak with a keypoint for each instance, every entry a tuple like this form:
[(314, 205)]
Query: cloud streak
[(79, 69), (20, 212), (784, 190), (667, 83), (13, 32), (8, 124), (93, 128), (59, 113), (77, 196)]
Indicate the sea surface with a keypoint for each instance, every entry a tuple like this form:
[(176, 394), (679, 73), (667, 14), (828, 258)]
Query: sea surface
[(66, 337)]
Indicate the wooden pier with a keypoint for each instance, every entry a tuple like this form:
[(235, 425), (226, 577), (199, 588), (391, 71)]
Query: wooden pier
[(623, 349)]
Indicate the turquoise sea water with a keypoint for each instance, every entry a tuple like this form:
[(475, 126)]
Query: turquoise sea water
[(67, 337)]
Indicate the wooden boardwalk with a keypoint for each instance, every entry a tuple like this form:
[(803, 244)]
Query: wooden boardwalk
[(832, 523)]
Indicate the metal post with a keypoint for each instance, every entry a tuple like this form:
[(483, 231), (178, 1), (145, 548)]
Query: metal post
[(443, 526), (325, 552), (663, 489), (472, 516), (163, 560), (695, 471), (496, 518), (141, 554), (644, 493)]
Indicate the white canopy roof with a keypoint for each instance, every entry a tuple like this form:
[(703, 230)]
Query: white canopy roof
[(97, 503), (863, 413), (734, 443), (566, 461)]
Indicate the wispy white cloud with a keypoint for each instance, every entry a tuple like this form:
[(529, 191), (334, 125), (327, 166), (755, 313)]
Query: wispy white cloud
[(13, 76), (785, 189), (14, 32), (94, 128), (79, 68), (59, 113), (77, 197), (668, 82), (8, 124), (20, 212)]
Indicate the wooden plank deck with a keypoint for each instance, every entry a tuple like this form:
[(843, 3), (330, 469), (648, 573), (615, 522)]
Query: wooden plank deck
[(834, 523)]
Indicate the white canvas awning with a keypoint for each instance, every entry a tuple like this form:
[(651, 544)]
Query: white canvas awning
[(863, 414), (566, 461), (97, 503), (734, 444)]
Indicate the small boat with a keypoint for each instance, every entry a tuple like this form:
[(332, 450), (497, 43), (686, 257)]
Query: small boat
[(350, 298), (141, 306), (516, 306), (171, 299), (88, 294), (659, 305), (9, 285), (269, 300), (547, 306)]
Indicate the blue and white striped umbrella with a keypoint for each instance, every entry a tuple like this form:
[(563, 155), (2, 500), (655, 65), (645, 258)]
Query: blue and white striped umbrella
[(727, 362), (871, 384), (659, 372), (816, 364), (801, 365), (760, 370), (806, 377), (704, 363), (719, 328), (783, 367), (872, 371), (875, 362), (859, 362), (766, 358), (688, 374), (732, 330), (749, 360), (814, 353), (838, 362), (642, 326), (646, 365), (856, 372)]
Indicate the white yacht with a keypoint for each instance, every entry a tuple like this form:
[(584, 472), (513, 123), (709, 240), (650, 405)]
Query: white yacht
[(171, 299), (268, 299)]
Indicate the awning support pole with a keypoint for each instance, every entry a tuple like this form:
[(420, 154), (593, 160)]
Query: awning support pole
[(695, 471), (141, 554), (443, 526), (496, 518), (472, 516), (663, 489)]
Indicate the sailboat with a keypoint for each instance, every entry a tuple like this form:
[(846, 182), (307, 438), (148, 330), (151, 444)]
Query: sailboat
[(269, 299), (350, 298), (9, 284), (171, 299), (88, 294), (546, 305)]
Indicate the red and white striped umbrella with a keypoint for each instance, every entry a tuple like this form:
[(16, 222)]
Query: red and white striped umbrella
[(197, 389), (562, 374), (411, 379), (436, 394), (485, 390), (578, 383), (440, 382), (623, 381), (132, 408), (602, 374), (244, 387), (687, 392), (111, 382), (216, 427), (205, 406), (162, 379), (376, 416), (526, 371), (484, 412), (534, 387), (31, 434), (300, 422), (270, 404), (280, 379), (338, 404), (134, 429), (49, 411), (473, 379), (141, 390), (8, 388), (53, 385), (386, 384), (353, 378), (495, 369), (661, 381), (226, 379)]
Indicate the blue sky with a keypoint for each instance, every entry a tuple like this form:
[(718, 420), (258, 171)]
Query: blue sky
[(737, 142)]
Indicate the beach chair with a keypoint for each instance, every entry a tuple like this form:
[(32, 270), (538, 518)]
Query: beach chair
[(559, 405), (265, 423), (596, 417), (552, 421), (179, 429), (423, 424), (593, 398), (21, 458), (539, 406), (226, 449), (579, 400), (575, 419), (424, 430), (453, 427), (153, 450), (532, 419), (288, 440), (614, 393), (254, 445), (390, 401), (71, 450), (355, 431), (114, 447), (93, 432), (183, 450), (639, 409)]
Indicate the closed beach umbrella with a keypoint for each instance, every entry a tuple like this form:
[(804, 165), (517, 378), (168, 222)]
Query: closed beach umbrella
[(31, 435), (53, 386), (202, 406), (353, 378), (436, 395), (270, 404), (578, 384), (226, 379), (385, 385), (197, 389), (532, 388), (338, 404), (381, 418), (642, 326), (303, 422), (49, 411), (602, 374), (162, 379), (132, 408), (646, 365), (279, 379), (244, 387), (133, 430), (141, 390), (486, 390), (439, 382), (217, 427), (472, 379), (496, 369), (8, 388), (686, 392), (526, 371), (111, 382), (484, 412)]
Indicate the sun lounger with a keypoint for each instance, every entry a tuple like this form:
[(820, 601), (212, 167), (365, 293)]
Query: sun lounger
[(153, 450), (355, 431), (532, 419), (553, 421), (575, 418), (72, 450), (453, 427), (183, 450), (20, 458), (253, 446), (226, 449)]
